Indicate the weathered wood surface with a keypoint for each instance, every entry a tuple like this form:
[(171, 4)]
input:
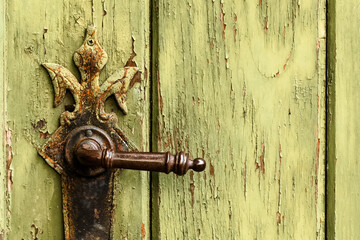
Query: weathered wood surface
[(343, 209), (2, 131), (241, 83), (50, 31)]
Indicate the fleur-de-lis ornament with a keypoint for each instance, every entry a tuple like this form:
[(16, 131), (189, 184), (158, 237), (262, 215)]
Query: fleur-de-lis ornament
[(87, 190), (89, 96), (90, 58)]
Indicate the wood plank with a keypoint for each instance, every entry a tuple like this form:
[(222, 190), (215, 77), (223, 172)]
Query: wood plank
[(343, 121), (50, 31), (3, 181), (241, 83)]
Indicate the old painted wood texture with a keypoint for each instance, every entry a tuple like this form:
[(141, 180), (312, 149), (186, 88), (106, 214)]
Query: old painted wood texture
[(3, 181), (343, 134), (50, 31), (241, 83)]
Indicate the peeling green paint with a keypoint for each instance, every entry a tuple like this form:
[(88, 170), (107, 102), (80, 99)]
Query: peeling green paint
[(242, 83), (48, 31), (239, 82)]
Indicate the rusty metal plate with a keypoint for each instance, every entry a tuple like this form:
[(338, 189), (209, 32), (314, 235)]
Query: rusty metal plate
[(87, 194)]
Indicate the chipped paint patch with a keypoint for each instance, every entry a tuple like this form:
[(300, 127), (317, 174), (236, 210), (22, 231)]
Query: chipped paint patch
[(34, 232)]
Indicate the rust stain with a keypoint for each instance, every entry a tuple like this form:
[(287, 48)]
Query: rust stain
[(278, 218), (96, 213), (287, 61), (130, 62), (135, 79), (212, 170), (265, 25), (222, 15), (192, 188), (260, 2), (143, 232), (9, 159), (160, 100), (261, 166)]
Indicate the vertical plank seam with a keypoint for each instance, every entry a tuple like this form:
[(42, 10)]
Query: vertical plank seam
[(330, 117), (153, 116)]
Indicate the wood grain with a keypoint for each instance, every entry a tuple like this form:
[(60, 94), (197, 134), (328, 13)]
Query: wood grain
[(242, 84), (50, 31)]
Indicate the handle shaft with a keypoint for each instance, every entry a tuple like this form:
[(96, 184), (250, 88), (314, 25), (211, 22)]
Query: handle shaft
[(89, 154)]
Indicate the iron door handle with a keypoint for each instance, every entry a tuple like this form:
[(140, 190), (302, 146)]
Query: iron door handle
[(90, 149), (158, 162)]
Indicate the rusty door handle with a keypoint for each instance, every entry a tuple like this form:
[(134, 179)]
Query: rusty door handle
[(90, 151), (90, 154)]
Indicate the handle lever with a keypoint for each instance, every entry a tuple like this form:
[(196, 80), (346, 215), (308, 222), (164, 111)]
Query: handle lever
[(89, 153)]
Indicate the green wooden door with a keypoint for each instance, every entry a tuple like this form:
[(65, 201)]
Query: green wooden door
[(265, 91)]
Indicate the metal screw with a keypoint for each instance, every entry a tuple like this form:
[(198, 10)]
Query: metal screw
[(88, 133)]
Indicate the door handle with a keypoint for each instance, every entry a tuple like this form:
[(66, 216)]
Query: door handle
[(90, 154), (89, 147)]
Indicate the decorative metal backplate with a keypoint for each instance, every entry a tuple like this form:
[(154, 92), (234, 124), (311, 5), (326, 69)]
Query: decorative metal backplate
[(87, 200)]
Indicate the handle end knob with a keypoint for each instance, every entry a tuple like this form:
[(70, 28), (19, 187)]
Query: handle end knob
[(198, 165), (181, 163)]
